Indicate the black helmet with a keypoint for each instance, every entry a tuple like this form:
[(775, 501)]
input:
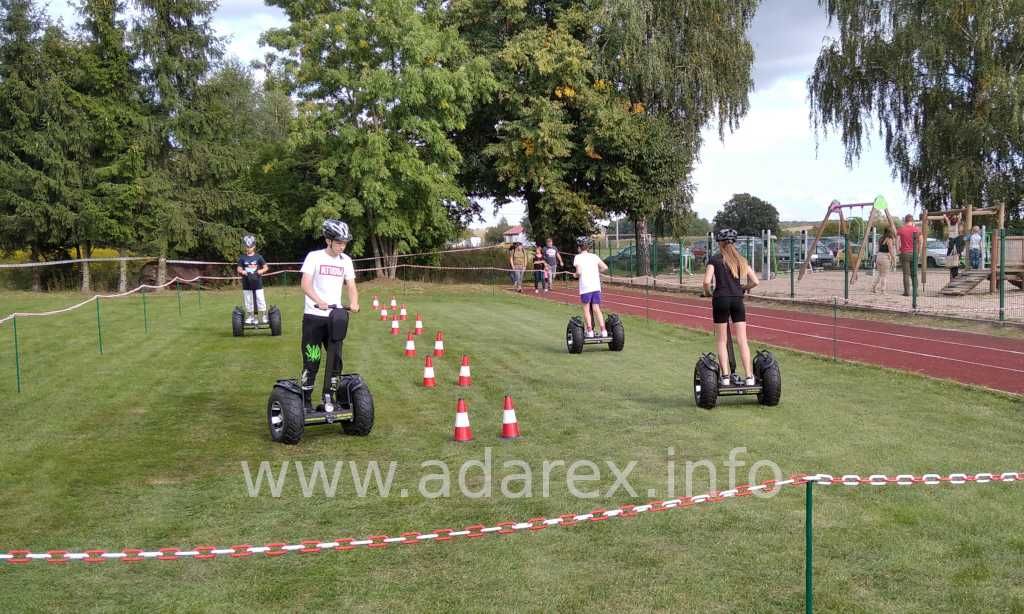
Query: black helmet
[(583, 241), (248, 241), (726, 235), (336, 230)]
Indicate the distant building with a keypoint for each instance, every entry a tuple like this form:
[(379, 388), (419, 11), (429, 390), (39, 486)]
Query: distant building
[(515, 234)]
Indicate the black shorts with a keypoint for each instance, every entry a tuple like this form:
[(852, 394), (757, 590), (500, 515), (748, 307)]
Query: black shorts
[(724, 308)]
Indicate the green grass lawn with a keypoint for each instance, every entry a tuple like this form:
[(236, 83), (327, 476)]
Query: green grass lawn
[(143, 447)]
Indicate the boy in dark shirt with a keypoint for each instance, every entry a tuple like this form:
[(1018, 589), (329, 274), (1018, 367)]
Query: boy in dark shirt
[(252, 266)]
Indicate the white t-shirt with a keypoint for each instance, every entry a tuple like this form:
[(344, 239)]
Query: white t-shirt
[(329, 277), (976, 240), (587, 264)]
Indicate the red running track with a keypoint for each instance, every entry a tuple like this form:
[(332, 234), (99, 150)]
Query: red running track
[(981, 360)]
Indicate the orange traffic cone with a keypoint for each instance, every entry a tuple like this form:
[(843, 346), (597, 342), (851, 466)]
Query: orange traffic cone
[(418, 329), (394, 325), (410, 346), (439, 344), (462, 430), (509, 424), (394, 303), (403, 315), (376, 303), (428, 373), (464, 377), (383, 315)]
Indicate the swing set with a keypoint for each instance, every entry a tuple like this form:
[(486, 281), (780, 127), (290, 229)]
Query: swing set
[(879, 208)]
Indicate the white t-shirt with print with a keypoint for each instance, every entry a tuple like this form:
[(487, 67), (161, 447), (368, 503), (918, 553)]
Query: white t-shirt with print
[(588, 265), (976, 240), (329, 277)]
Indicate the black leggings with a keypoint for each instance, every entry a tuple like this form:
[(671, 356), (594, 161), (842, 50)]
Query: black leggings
[(724, 308), (315, 342)]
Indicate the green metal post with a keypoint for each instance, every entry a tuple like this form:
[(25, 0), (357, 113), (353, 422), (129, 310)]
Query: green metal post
[(835, 322), (99, 328), (846, 268), (913, 276), (681, 248), (145, 314), (1002, 274), (199, 293), (177, 287), (809, 550), (17, 357), (792, 281), (654, 259)]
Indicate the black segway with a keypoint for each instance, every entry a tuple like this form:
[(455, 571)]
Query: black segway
[(575, 333), (707, 378), (348, 400), (239, 325)]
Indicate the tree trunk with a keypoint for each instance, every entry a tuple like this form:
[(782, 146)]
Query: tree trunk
[(643, 250), (37, 272), (385, 257), (86, 274), (122, 271)]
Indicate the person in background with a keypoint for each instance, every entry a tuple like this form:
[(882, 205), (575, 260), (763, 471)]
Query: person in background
[(885, 260), (974, 243), (517, 262), (954, 245), (252, 267), (589, 267), (908, 238), (540, 270), (554, 259)]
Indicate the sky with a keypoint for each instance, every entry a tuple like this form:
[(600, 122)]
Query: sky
[(774, 154)]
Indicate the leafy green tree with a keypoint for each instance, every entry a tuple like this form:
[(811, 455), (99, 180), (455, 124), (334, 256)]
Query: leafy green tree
[(496, 234), (748, 215), (383, 85), (942, 82)]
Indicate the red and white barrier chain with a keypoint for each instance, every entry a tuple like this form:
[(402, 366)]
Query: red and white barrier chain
[(134, 555)]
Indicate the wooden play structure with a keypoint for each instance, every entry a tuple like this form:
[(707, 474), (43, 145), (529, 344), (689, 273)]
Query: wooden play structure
[(968, 279), (879, 208)]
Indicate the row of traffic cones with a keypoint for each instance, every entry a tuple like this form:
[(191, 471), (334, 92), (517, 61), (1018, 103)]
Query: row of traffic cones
[(509, 423), (465, 376)]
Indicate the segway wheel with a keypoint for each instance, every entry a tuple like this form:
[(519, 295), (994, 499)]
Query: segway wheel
[(285, 415), (613, 324), (574, 336), (705, 384), (237, 322), (362, 409), (767, 369), (274, 316)]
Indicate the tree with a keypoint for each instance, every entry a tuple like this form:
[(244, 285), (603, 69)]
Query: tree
[(942, 81), (496, 234), (748, 215), (383, 85)]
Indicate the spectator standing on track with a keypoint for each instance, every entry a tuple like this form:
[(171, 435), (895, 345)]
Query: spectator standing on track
[(554, 259), (517, 262), (540, 270), (885, 260), (909, 238), (974, 248), (954, 245)]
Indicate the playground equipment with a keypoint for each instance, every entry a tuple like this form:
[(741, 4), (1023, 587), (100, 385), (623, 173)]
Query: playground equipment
[(971, 278), (879, 208)]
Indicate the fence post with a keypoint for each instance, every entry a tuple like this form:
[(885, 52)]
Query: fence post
[(177, 287), (846, 267), (1002, 274), (913, 275), (654, 258), (99, 328), (199, 292), (792, 282), (145, 313), (835, 322), (17, 358), (809, 549), (682, 247)]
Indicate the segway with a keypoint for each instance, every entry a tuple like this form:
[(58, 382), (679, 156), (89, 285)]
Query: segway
[(707, 378), (575, 333), (239, 325), (348, 400)]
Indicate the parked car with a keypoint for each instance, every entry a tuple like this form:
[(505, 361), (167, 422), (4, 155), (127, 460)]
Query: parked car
[(936, 252), (667, 256), (822, 257)]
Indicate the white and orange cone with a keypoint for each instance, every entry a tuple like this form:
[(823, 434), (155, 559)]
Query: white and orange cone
[(428, 373), (465, 379), (394, 303), (410, 346), (509, 424), (439, 344), (462, 430), (383, 315), (376, 303), (403, 315), (394, 325), (418, 329)]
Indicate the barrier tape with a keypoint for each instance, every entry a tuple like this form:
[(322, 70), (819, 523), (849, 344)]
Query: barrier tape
[(476, 531)]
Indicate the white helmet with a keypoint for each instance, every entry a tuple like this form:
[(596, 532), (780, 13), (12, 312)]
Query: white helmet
[(248, 241), (336, 230)]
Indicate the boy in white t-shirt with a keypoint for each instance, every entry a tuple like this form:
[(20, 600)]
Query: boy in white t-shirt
[(588, 270), (324, 273)]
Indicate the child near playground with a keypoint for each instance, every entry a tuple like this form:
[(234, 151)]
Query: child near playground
[(955, 245), (541, 271), (885, 260), (324, 273), (589, 267), (252, 267), (974, 248), (733, 277)]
